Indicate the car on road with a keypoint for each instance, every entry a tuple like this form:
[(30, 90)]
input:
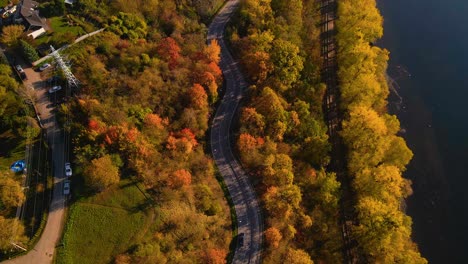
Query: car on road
[(44, 67), (55, 89), (68, 170), (66, 187), (240, 239)]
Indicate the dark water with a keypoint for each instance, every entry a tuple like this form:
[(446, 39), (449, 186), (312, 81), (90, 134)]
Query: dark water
[(430, 39)]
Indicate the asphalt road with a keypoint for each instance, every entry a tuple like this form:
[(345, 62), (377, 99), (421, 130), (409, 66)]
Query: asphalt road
[(242, 193), (43, 252)]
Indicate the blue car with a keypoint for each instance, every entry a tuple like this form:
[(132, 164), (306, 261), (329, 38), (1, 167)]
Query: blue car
[(18, 166)]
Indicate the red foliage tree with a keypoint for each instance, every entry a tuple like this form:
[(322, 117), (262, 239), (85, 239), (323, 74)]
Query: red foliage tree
[(93, 125), (169, 50)]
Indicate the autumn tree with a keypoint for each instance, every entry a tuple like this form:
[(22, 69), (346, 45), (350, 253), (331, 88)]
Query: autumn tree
[(198, 97), (252, 121), (11, 193), (216, 256), (179, 178), (297, 256), (169, 50), (101, 173), (278, 170), (11, 34), (273, 237), (258, 66), (213, 51), (10, 230)]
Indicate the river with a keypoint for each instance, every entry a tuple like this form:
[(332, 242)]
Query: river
[(429, 38)]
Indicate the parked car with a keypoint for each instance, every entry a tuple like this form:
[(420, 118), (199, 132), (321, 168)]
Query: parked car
[(55, 89), (19, 68), (68, 170), (66, 187), (240, 239), (53, 79), (44, 67)]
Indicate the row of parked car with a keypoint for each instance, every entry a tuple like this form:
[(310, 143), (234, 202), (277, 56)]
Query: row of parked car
[(21, 72), (66, 183)]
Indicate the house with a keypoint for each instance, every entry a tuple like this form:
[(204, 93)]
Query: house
[(29, 16)]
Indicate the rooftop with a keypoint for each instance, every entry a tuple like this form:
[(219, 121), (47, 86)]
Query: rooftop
[(31, 15)]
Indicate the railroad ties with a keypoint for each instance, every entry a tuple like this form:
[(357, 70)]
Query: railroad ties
[(333, 118)]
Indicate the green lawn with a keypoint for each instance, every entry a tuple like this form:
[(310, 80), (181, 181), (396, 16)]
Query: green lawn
[(104, 225), (59, 25)]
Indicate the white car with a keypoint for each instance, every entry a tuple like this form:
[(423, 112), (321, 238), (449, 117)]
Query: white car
[(68, 170), (43, 67), (55, 89), (66, 187), (19, 68)]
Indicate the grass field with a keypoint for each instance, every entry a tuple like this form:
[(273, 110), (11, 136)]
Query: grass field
[(59, 25), (104, 225)]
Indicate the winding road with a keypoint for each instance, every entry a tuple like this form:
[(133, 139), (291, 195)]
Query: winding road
[(249, 220)]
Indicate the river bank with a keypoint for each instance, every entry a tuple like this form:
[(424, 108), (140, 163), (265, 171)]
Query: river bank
[(429, 38), (426, 171)]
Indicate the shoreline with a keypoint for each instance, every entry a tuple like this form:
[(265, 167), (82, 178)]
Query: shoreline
[(427, 205)]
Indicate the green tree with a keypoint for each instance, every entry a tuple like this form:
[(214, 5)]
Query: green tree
[(287, 62), (29, 51)]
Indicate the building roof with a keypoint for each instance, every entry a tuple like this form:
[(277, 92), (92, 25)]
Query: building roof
[(31, 15)]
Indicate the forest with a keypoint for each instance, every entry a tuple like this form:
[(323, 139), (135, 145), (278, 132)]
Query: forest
[(142, 113), (14, 135), (149, 86), (283, 139), (283, 142), (377, 156)]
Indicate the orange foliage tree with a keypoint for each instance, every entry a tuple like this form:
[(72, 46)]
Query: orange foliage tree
[(198, 97), (273, 237), (179, 178), (216, 256)]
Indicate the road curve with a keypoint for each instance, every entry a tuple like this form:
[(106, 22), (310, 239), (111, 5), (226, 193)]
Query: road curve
[(247, 208), (43, 251)]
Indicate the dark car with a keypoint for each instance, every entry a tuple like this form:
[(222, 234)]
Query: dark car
[(240, 239), (66, 187)]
